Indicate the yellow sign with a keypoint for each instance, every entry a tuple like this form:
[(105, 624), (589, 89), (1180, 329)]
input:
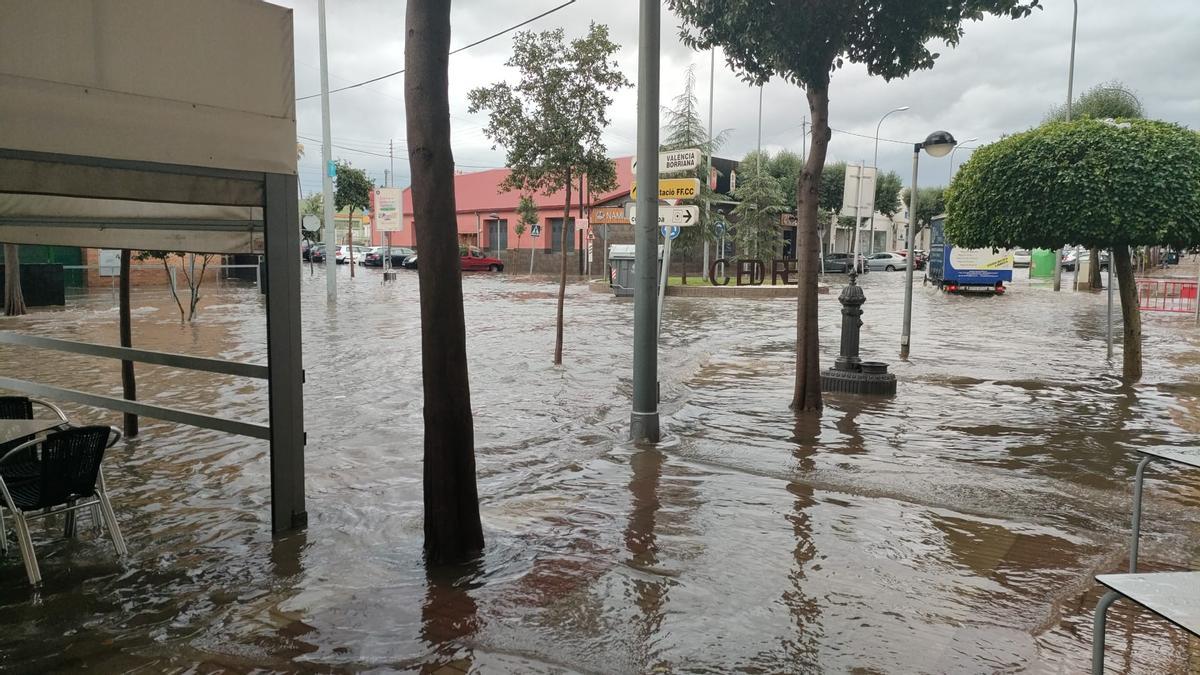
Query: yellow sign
[(674, 188)]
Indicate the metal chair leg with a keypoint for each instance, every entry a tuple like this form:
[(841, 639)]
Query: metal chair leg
[(1098, 631), (3, 535), (69, 522), (110, 518), (97, 523), (27, 553), (1138, 477)]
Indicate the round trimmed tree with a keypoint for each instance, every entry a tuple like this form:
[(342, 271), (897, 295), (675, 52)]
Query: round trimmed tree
[(1098, 183)]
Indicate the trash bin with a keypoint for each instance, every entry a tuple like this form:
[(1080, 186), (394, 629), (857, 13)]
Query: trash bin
[(621, 268), (1041, 264)]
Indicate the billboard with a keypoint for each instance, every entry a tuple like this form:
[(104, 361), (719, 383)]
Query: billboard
[(387, 211)]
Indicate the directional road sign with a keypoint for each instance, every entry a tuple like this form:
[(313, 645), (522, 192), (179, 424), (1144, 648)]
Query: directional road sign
[(678, 216), (674, 160), (674, 188), (671, 232)]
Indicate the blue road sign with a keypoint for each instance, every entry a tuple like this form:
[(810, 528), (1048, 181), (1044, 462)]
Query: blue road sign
[(672, 231), (332, 169)]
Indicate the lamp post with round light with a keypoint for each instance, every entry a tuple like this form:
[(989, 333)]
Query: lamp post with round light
[(937, 144), (875, 165)]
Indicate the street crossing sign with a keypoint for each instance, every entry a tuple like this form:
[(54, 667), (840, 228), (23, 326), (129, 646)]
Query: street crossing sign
[(535, 231), (674, 188)]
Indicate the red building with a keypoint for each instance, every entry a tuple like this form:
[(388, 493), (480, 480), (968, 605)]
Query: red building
[(487, 216)]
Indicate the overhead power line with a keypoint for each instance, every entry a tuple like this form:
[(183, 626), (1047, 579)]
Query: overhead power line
[(452, 52)]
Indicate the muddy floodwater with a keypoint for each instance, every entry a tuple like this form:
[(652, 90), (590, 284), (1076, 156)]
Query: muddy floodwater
[(953, 529)]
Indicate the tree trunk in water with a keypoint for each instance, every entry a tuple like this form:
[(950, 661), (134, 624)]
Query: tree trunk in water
[(171, 285), (1094, 281), (14, 299), (128, 384), (1131, 316), (807, 392), (562, 276), (453, 532)]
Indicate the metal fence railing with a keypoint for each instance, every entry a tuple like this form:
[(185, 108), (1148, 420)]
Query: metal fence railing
[(1168, 295)]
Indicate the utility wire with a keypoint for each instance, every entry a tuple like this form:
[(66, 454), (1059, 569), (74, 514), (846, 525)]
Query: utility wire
[(452, 52)]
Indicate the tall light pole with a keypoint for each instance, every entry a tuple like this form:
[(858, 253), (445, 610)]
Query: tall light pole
[(712, 79), (644, 421), (937, 144), (960, 145), (875, 165), (326, 173), (1070, 85)]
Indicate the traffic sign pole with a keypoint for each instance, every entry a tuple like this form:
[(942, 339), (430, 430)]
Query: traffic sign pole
[(643, 421), (662, 289)]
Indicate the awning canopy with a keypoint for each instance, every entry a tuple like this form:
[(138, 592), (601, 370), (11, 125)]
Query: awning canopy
[(148, 105)]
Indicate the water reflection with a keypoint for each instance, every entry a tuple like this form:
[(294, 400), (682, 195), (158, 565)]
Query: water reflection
[(954, 528)]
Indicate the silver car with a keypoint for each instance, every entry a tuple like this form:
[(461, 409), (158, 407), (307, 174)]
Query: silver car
[(887, 262)]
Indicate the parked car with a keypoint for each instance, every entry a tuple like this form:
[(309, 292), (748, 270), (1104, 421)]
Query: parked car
[(473, 260), (372, 256), (316, 253), (1022, 257), (377, 254), (920, 258), (1077, 255), (888, 262), (839, 263)]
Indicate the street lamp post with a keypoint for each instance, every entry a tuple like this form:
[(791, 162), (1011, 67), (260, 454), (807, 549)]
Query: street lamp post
[(1070, 85), (956, 149), (937, 144), (875, 165)]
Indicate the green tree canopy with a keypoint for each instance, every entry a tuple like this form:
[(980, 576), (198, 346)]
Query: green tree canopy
[(353, 189), (550, 122), (1098, 183), (804, 43), (931, 201), (1084, 182), (757, 232), (1111, 100), (683, 128)]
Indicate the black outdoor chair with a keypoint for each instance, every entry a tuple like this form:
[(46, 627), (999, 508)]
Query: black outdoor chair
[(58, 474), (21, 408)]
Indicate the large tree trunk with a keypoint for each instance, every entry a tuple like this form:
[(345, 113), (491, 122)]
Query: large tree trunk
[(14, 299), (128, 384), (1094, 281), (453, 532), (1131, 316), (562, 276), (807, 393)]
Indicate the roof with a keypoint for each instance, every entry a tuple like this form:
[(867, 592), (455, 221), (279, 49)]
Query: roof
[(479, 191)]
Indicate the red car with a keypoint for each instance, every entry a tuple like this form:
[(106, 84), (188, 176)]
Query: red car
[(474, 260)]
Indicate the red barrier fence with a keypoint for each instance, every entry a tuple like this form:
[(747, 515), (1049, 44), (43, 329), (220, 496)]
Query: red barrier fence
[(1167, 295)]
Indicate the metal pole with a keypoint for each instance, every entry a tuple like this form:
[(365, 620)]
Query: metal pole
[(875, 164), (712, 76), (1070, 86), (1110, 265), (643, 422), (1110, 304), (758, 167), (326, 162), (662, 288), (908, 243), (854, 243)]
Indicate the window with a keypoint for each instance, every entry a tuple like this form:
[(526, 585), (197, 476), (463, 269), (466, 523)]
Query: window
[(557, 234), (498, 235)]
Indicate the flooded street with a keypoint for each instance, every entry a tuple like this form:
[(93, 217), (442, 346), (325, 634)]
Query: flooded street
[(954, 528)]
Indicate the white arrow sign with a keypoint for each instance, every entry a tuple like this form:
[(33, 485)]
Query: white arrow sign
[(674, 160), (679, 216)]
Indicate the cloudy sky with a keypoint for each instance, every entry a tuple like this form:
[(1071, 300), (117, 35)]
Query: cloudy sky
[(1002, 78)]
